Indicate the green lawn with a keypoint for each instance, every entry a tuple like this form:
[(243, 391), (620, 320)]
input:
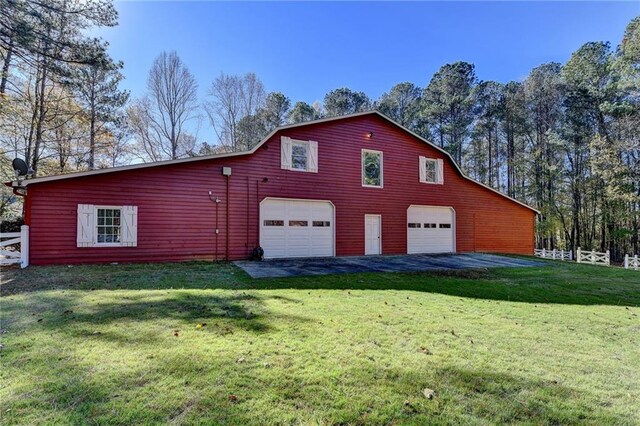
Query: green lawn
[(122, 344)]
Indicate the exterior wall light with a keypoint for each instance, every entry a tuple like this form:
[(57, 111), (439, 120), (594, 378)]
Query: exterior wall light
[(370, 135)]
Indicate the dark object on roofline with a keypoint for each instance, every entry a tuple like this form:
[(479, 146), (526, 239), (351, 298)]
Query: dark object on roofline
[(20, 167)]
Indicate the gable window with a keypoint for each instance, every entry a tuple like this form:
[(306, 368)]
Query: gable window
[(107, 226), (431, 170), (298, 155), (371, 168)]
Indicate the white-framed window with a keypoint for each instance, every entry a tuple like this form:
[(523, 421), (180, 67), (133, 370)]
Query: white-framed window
[(372, 174), (431, 170), (298, 155), (107, 226)]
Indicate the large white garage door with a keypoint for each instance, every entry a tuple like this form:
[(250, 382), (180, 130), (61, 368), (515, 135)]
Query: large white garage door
[(296, 228), (430, 230)]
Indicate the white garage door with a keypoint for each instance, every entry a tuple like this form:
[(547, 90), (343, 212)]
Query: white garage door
[(430, 230), (296, 228)]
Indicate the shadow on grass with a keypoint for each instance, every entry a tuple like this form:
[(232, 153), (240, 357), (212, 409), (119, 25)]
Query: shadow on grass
[(556, 282), (199, 387), (504, 398), (78, 315)]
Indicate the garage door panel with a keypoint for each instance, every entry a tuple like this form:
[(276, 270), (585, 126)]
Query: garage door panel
[(424, 231), (299, 236)]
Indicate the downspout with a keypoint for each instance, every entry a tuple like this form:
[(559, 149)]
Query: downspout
[(246, 244), (228, 220)]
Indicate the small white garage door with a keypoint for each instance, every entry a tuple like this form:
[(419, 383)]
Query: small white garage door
[(296, 228), (430, 229)]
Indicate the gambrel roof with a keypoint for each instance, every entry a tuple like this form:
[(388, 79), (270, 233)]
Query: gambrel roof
[(26, 182)]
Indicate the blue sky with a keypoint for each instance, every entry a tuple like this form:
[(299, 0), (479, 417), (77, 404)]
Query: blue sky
[(307, 49)]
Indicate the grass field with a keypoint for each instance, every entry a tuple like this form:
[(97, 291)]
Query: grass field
[(202, 343)]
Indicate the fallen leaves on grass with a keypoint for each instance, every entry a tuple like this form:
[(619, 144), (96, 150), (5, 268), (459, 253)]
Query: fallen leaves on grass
[(429, 393), (425, 350), (201, 324), (233, 399), (176, 333)]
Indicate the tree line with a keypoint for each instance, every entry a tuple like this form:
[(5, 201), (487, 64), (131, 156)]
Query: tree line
[(564, 140)]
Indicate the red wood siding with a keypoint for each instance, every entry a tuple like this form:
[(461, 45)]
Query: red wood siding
[(177, 220)]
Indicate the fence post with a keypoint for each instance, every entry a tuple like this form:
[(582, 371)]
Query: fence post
[(544, 252), (578, 255), (562, 254), (593, 256), (24, 246), (570, 255), (626, 261), (607, 258), (635, 262), (554, 254)]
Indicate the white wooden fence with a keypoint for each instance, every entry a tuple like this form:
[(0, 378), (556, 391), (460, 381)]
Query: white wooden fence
[(593, 257), (9, 254), (631, 262), (553, 254)]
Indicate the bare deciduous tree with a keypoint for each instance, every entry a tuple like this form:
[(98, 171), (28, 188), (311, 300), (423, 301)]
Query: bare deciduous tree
[(160, 119), (232, 99)]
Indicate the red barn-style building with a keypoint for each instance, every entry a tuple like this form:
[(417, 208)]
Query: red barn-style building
[(354, 185)]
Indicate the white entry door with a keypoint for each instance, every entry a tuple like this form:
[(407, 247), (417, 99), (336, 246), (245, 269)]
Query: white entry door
[(296, 228), (430, 229), (372, 234)]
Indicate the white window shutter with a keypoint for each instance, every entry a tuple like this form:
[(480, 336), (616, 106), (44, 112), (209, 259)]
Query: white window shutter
[(423, 169), (285, 153), (86, 225), (440, 171), (312, 156), (129, 229)]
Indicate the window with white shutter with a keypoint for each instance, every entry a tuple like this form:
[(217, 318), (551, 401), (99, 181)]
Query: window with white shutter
[(107, 226), (285, 153), (440, 172), (129, 233), (431, 170), (86, 226), (297, 155)]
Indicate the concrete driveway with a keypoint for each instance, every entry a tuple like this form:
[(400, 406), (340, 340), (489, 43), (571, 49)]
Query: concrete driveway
[(277, 268)]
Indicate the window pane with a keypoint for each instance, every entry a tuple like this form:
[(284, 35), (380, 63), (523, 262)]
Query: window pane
[(321, 223), (430, 225), (445, 225), (371, 169), (298, 223), (274, 223), (108, 226), (414, 225), (299, 156), (430, 170)]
